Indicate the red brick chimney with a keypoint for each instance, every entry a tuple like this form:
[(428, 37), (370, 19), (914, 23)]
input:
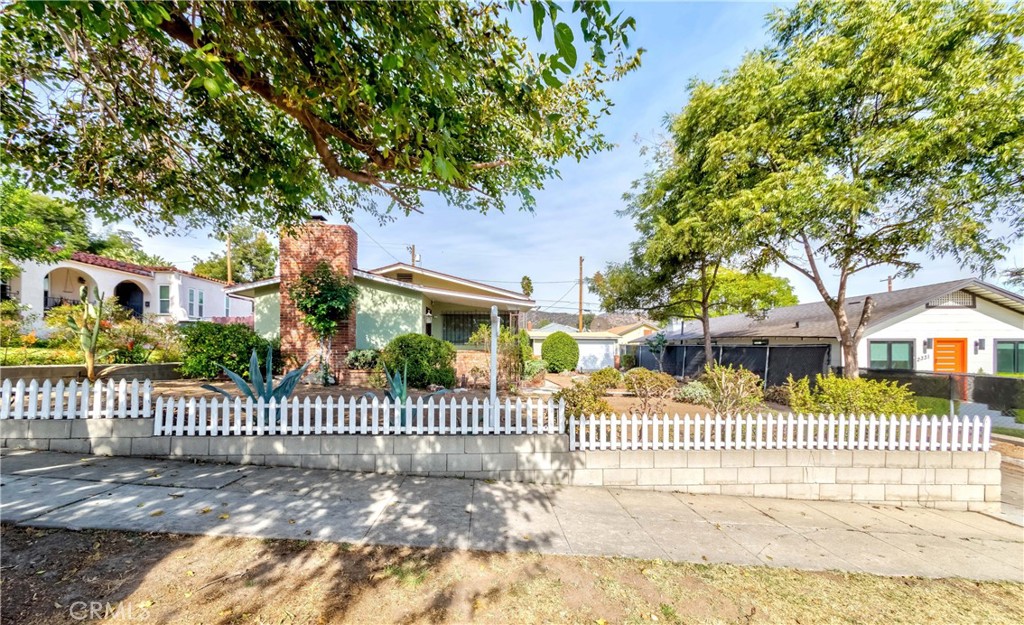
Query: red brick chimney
[(301, 251)]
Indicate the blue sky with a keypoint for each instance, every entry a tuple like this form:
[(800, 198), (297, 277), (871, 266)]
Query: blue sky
[(575, 216)]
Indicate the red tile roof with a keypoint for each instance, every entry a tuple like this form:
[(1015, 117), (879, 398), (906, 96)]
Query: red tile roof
[(142, 270), (110, 263)]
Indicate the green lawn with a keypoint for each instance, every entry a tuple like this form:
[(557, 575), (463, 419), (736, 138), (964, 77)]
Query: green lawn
[(1009, 432), (12, 356), (937, 406)]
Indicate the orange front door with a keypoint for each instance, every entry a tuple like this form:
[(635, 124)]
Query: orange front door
[(950, 355)]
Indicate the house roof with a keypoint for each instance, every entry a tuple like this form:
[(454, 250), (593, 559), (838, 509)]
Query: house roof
[(620, 330), (110, 263), (434, 293), (553, 327), (579, 336), (451, 278), (141, 270), (815, 320)]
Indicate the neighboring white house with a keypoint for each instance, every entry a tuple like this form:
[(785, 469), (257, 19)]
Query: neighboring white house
[(168, 293), (597, 349), (962, 326)]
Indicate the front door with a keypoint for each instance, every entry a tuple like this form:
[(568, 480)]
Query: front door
[(950, 356)]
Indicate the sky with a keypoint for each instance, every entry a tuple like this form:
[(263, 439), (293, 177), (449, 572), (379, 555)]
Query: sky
[(576, 215)]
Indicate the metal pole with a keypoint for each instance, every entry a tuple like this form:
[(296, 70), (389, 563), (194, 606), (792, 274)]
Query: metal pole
[(495, 325), (581, 295), (767, 348)]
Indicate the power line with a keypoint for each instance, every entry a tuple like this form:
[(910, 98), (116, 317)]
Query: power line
[(561, 299), (363, 230)]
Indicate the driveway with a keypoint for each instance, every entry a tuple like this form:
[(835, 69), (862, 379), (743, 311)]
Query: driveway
[(46, 489)]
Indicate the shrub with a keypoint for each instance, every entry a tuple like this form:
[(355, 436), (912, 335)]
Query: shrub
[(429, 360), (560, 351), (627, 361), (209, 346), (15, 322), (510, 355), (582, 398), (732, 390), (777, 394), (533, 368), (837, 395), (695, 392), (362, 359), (649, 387), (19, 356), (525, 347), (606, 378)]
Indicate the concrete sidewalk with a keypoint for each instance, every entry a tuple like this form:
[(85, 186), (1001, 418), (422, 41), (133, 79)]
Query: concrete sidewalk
[(46, 489)]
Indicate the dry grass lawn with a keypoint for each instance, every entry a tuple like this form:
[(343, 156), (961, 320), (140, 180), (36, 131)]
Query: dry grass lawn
[(47, 574)]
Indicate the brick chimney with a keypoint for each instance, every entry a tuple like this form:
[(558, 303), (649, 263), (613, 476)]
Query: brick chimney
[(301, 251)]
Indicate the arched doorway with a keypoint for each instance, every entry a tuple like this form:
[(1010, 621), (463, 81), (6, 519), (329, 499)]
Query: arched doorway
[(63, 285), (129, 295)]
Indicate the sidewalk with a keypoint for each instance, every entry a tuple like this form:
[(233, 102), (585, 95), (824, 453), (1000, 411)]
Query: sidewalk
[(45, 489)]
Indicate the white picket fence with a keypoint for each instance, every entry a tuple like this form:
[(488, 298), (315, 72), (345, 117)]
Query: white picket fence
[(223, 417), (780, 431), (111, 399), (178, 416)]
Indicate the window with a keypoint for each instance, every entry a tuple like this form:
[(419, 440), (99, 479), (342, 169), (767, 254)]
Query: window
[(227, 305), (1009, 356), (458, 327), (200, 304), (165, 299), (191, 302), (891, 354)]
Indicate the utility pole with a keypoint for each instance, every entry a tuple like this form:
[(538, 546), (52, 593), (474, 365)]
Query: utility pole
[(228, 258), (888, 279), (412, 252), (581, 295)]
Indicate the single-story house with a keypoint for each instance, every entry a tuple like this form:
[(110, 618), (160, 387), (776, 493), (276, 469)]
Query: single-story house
[(170, 294), (597, 349), (393, 300), (961, 326), (629, 333)]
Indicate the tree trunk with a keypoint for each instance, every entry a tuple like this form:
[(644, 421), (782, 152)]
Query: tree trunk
[(849, 337), (705, 322)]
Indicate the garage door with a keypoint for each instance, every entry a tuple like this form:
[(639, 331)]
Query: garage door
[(596, 355)]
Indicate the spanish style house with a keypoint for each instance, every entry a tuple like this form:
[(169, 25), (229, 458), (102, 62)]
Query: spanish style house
[(169, 294)]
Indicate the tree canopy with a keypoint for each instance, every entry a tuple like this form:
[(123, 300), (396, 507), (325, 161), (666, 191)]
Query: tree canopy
[(862, 134), (198, 111), (37, 228), (253, 257)]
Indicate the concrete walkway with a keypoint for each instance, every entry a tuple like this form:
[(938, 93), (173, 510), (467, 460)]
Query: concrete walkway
[(47, 489)]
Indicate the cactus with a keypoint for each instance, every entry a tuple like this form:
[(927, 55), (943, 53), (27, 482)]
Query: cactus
[(89, 330), (398, 390)]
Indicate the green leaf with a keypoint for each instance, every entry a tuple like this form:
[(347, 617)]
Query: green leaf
[(539, 13), (563, 41), (211, 87)]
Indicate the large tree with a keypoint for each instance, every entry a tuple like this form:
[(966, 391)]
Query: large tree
[(197, 111), (36, 228), (869, 131), (253, 257)]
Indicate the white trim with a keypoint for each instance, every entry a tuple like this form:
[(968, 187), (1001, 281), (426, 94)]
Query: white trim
[(457, 280)]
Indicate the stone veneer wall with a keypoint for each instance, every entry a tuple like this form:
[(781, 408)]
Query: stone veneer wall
[(301, 251), (950, 480)]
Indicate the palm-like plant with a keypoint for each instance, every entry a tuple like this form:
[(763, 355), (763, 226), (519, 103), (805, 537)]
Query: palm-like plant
[(88, 331)]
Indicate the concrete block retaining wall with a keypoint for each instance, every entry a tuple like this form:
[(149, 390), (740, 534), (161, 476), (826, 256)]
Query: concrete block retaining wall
[(949, 480)]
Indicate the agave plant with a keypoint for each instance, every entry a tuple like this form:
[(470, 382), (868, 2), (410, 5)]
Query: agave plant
[(262, 385), (398, 389)]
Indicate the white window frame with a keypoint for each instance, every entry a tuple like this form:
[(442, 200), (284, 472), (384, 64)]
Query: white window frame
[(201, 304), (227, 305), (191, 303), (164, 303)]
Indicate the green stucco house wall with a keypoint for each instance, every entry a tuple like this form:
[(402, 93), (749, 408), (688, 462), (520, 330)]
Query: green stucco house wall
[(383, 312)]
